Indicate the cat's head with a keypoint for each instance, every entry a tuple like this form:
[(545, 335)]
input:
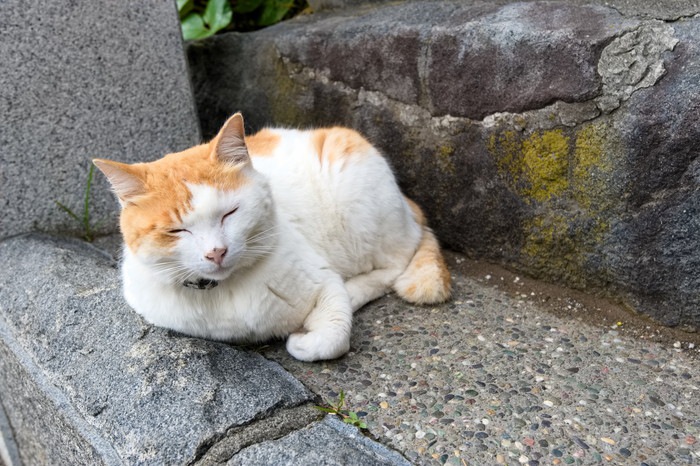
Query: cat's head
[(198, 214)]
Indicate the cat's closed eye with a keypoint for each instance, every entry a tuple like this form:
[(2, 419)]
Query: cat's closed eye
[(177, 231), (228, 214)]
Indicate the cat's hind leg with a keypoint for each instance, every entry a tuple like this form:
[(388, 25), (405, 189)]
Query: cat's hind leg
[(426, 280), (369, 286), (326, 332)]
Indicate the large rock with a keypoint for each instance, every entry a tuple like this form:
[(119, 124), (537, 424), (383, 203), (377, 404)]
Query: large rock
[(79, 83), (329, 442), (84, 380), (557, 137)]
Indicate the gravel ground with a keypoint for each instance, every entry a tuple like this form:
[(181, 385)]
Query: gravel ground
[(512, 371)]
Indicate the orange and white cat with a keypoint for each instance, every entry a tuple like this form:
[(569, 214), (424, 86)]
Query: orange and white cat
[(281, 234)]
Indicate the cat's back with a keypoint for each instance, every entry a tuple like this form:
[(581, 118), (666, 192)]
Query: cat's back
[(319, 149), (337, 189), (330, 164)]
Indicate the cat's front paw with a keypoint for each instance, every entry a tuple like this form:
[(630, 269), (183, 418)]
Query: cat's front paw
[(315, 346)]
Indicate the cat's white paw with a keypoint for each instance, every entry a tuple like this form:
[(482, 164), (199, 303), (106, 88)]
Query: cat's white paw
[(315, 346)]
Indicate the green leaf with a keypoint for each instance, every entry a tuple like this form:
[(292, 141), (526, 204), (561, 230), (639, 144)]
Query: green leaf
[(193, 27), (274, 11), (325, 410), (68, 211), (217, 15), (184, 7), (362, 425), (86, 205), (246, 6)]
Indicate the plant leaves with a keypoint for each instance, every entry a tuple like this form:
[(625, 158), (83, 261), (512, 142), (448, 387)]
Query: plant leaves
[(184, 7), (246, 6), (193, 27), (325, 410), (274, 11), (217, 15), (68, 211)]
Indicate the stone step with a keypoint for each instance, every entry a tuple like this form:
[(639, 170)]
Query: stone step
[(86, 381), (559, 138)]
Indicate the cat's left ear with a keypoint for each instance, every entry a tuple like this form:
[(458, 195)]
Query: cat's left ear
[(126, 180), (230, 142)]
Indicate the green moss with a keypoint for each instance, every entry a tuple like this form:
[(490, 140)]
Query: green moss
[(591, 174), (282, 97), (537, 166), (546, 164), (566, 178), (507, 150), (549, 249), (444, 159)]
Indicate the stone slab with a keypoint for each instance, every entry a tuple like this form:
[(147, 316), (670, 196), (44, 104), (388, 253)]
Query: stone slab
[(80, 83), (328, 442), (80, 368), (566, 148)]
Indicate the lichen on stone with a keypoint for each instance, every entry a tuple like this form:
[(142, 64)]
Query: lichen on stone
[(546, 164), (444, 159)]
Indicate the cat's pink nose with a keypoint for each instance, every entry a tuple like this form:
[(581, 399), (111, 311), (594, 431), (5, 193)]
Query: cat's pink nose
[(216, 255)]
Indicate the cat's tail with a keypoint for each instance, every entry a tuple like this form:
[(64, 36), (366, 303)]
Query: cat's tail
[(426, 280)]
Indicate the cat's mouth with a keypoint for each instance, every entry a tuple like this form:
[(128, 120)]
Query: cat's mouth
[(217, 275), (201, 284)]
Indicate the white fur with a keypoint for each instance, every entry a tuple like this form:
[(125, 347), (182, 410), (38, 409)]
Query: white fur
[(330, 238)]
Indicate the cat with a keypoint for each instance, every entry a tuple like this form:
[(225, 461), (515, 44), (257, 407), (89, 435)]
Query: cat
[(284, 233)]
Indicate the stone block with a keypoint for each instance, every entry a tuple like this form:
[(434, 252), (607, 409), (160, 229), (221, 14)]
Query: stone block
[(328, 442), (80, 82), (84, 380), (558, 138)]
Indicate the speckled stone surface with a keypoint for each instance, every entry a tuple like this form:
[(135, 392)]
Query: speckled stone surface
[(80, 82), (493, 378)]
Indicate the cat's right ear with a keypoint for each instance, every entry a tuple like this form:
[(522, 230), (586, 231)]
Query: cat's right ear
[(125, 179), (230, 142)]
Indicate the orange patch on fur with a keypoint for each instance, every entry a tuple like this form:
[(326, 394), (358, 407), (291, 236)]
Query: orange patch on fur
[(427, 279), (148, 217), (336, 144), (417, 212), (262, 143)]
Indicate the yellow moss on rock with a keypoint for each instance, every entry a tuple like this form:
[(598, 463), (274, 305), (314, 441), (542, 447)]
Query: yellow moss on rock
[(507, 150), (538, 166), (592, 170), (444, 159), (550, 169), (546, 164)]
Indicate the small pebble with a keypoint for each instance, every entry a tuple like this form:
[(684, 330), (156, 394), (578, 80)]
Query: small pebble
[(625, 452), (581, 443)]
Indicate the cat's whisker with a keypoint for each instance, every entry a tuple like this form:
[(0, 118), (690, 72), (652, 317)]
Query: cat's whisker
[(172, 271), (263, 235)]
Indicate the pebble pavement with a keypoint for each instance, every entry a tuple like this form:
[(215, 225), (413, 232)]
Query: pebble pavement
[(497, 377)]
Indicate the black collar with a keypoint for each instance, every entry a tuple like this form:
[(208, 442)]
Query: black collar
[(201, 284)]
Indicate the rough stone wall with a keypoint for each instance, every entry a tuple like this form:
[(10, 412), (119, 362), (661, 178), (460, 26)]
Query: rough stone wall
[(557, 137)]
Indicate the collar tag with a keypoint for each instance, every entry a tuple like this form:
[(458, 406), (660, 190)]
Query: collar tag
[(201, 284)]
